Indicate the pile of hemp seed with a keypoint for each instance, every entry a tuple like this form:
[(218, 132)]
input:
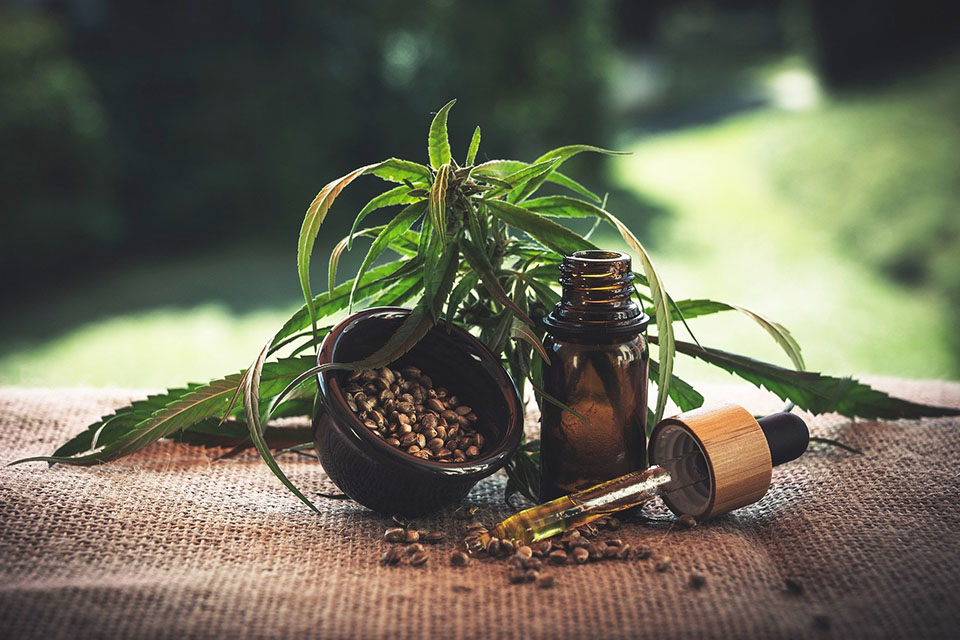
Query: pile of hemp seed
[(403, 408), (592, 542)]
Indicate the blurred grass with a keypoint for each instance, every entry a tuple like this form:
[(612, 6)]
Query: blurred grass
[(795, 214)]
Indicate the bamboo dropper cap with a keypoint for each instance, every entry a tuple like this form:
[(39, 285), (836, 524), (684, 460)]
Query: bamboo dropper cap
[(721, 458)]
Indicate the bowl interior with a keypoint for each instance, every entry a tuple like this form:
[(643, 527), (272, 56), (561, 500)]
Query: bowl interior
[(456, 361)]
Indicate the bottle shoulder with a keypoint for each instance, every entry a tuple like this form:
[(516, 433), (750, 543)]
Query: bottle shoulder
[(631, 344)]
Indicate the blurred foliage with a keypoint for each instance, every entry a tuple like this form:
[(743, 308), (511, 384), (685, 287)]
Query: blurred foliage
[(180, 122), (886, 177), (57, 167)]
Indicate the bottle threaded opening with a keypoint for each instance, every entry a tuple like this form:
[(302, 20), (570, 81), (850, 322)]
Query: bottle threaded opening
[(597, 295)]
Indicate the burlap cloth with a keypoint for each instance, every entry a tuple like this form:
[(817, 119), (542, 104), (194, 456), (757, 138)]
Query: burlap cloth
[(173, 544)]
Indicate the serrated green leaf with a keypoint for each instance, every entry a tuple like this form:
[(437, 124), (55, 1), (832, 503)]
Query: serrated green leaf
[(560, 156), (199, 403), (111, 427), (681, 392), (530, 186), (479, 261), (251, 408), (523, 473), (208, 433), (314, 217), (400, 223), (518, 179), (437, 207), (702, 307), (498, 169), (521, 331), (459, 294), (565, 153), (664, 322), (815, 392), (402, 171), (549, 233), (335, 261), (558, 178), (438, 143), (421, 319), (474, 147), (391, 197), (331, 302)]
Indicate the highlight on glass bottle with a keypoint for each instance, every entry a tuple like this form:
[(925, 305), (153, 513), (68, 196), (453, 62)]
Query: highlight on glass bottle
[(598, 369)]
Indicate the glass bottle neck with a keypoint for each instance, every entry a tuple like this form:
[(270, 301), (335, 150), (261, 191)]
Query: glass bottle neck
[(597, 297)]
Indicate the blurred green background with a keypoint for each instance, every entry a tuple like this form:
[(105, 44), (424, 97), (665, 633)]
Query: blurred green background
[(801, 158)]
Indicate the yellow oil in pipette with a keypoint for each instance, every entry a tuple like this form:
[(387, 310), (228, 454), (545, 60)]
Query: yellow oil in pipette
[(554, 517)]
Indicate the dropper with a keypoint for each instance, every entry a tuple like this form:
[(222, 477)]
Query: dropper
[(706, 462)]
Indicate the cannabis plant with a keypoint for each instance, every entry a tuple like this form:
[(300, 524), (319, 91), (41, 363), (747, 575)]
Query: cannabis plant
[(472, 244)]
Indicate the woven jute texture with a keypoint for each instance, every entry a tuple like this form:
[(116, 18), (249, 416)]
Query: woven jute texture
[(171, 543)]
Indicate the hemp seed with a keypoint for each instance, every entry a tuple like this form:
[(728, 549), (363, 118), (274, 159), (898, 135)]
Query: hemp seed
[(545, 581), (432, 537), (394, 534), (697, 580), (687, 521), (794, 586), (391, 556)]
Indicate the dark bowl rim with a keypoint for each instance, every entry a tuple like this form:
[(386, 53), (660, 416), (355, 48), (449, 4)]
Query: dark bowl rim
[(345, 419)]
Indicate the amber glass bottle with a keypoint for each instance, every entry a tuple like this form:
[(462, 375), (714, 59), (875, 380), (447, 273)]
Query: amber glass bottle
[(598, 367)]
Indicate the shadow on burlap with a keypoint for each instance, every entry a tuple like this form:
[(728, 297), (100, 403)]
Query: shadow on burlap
[(170, 543)]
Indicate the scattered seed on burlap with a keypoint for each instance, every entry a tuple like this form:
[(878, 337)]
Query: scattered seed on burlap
[(697, 580), (466, 513), (517, 576), (596, 550), (459, 559), (394, 534), (558, 556), (407, 412), (821, 621), (662, 564), (644, 552), (411, 549), (687, 521), (419, 558), (411, 535), (391, 556), (432, 537), (794, 586), (531, 575), (545, 581)]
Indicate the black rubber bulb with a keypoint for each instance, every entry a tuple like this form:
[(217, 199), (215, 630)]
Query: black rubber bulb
[(787, 436)]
